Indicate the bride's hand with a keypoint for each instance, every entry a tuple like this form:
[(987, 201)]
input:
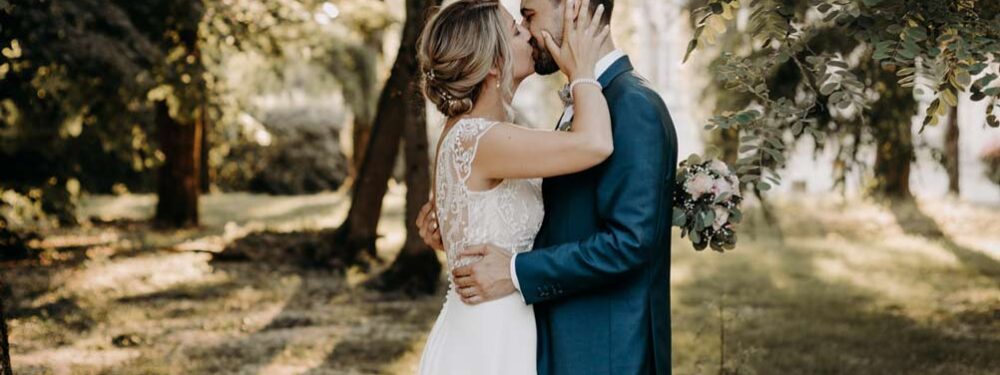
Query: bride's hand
[(583, 37)]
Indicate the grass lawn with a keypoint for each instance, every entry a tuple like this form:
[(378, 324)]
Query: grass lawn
[(835, 288)]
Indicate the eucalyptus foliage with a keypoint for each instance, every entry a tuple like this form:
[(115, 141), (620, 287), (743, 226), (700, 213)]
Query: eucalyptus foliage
[(936, 48)]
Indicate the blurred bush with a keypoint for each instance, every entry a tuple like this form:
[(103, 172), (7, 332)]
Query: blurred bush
[(293, 151)]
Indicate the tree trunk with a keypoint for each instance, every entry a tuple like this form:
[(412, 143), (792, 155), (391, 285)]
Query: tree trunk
[(5, 366), (354, 241), (178, 186), (892, 163), (207, 173), (893, 133), (951, 150), (361, 133), (416, 269)]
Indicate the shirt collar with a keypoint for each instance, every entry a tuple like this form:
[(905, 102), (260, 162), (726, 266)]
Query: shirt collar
[(605, 62)]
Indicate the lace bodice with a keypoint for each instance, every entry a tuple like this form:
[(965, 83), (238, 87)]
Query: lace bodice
[(508, 216)]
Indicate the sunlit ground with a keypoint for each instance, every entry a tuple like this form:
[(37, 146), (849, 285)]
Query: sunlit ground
[(835, 289)]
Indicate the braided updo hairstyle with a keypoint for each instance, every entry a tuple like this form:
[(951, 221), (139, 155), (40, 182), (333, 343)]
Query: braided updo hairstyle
[(458, 47)]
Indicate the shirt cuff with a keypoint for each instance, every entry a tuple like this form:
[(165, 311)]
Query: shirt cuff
[(513, 276)]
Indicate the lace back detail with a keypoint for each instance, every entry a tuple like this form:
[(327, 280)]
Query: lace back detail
[(454, 166), (507, 216)]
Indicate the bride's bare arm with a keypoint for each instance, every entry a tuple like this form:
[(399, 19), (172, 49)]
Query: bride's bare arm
[(511, 151)]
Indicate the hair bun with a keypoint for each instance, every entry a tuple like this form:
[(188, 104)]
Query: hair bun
[(459, 47)]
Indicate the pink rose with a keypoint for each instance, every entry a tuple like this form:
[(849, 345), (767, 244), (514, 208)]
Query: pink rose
[(721, 186), (699, 185)]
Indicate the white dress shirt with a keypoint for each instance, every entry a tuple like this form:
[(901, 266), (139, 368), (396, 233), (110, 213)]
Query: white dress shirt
[(602, 66)]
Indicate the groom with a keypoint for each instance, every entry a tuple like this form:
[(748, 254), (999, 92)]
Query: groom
[(599, 274)]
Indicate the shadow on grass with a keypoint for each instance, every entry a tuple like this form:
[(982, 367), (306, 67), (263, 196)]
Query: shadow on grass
[(781, 318), (323, 325), (915, 222)]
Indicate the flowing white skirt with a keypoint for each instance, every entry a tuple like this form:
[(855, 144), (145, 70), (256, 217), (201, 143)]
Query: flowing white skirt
[(492, 338)]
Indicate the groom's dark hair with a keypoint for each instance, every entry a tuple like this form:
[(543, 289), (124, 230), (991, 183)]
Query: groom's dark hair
[(609, 7)]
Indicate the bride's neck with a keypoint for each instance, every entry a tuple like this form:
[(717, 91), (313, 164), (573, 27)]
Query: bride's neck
[(491, 103)]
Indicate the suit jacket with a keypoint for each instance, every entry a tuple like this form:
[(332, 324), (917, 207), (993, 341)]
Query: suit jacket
[(599, 275)]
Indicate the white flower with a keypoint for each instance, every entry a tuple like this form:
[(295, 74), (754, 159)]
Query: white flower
[(698, 185), (721, 217), (719, 167), (721, 186), (734, 181)]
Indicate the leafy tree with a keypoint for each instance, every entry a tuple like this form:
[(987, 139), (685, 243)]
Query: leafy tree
[(71, 74), (144, 83), (855, 65)]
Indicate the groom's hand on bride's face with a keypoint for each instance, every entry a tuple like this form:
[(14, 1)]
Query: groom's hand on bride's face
[(486, 280)]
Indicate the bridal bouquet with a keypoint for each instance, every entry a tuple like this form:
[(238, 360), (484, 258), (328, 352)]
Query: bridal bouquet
[(706, 203)]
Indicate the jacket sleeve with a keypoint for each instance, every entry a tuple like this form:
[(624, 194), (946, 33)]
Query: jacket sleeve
[(631, 207)]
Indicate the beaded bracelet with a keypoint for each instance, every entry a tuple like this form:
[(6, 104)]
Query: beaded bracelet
[(582, 81)]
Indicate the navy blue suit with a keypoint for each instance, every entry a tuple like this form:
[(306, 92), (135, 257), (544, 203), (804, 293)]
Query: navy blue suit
[(599, 275)]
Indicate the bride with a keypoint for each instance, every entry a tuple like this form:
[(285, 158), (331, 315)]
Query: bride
[(487, 179)]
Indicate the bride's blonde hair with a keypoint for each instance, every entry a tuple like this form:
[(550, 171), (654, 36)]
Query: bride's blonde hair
[(458, 47)]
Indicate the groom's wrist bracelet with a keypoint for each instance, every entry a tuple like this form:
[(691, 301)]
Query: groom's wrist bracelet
[(583, 81)]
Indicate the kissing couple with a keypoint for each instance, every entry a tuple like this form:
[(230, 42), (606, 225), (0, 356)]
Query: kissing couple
[(558, 241)]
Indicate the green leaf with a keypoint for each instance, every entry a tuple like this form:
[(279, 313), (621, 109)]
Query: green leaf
[(797, 128), (985, 80), (906, 71), (838, 96), (774, 154), (707, 218), (743, 118), (680, 217), (691, 47), (735, 215), (839, 64), (829, 88), (694, 159), (854, 84), (722, 197), (917, 33), (949, 98), (963, 78)]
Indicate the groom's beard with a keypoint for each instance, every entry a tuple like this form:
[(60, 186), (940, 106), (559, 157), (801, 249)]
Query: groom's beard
[(544, 63)]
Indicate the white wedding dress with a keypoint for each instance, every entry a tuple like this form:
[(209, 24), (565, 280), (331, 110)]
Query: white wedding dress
[(496, 337)]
